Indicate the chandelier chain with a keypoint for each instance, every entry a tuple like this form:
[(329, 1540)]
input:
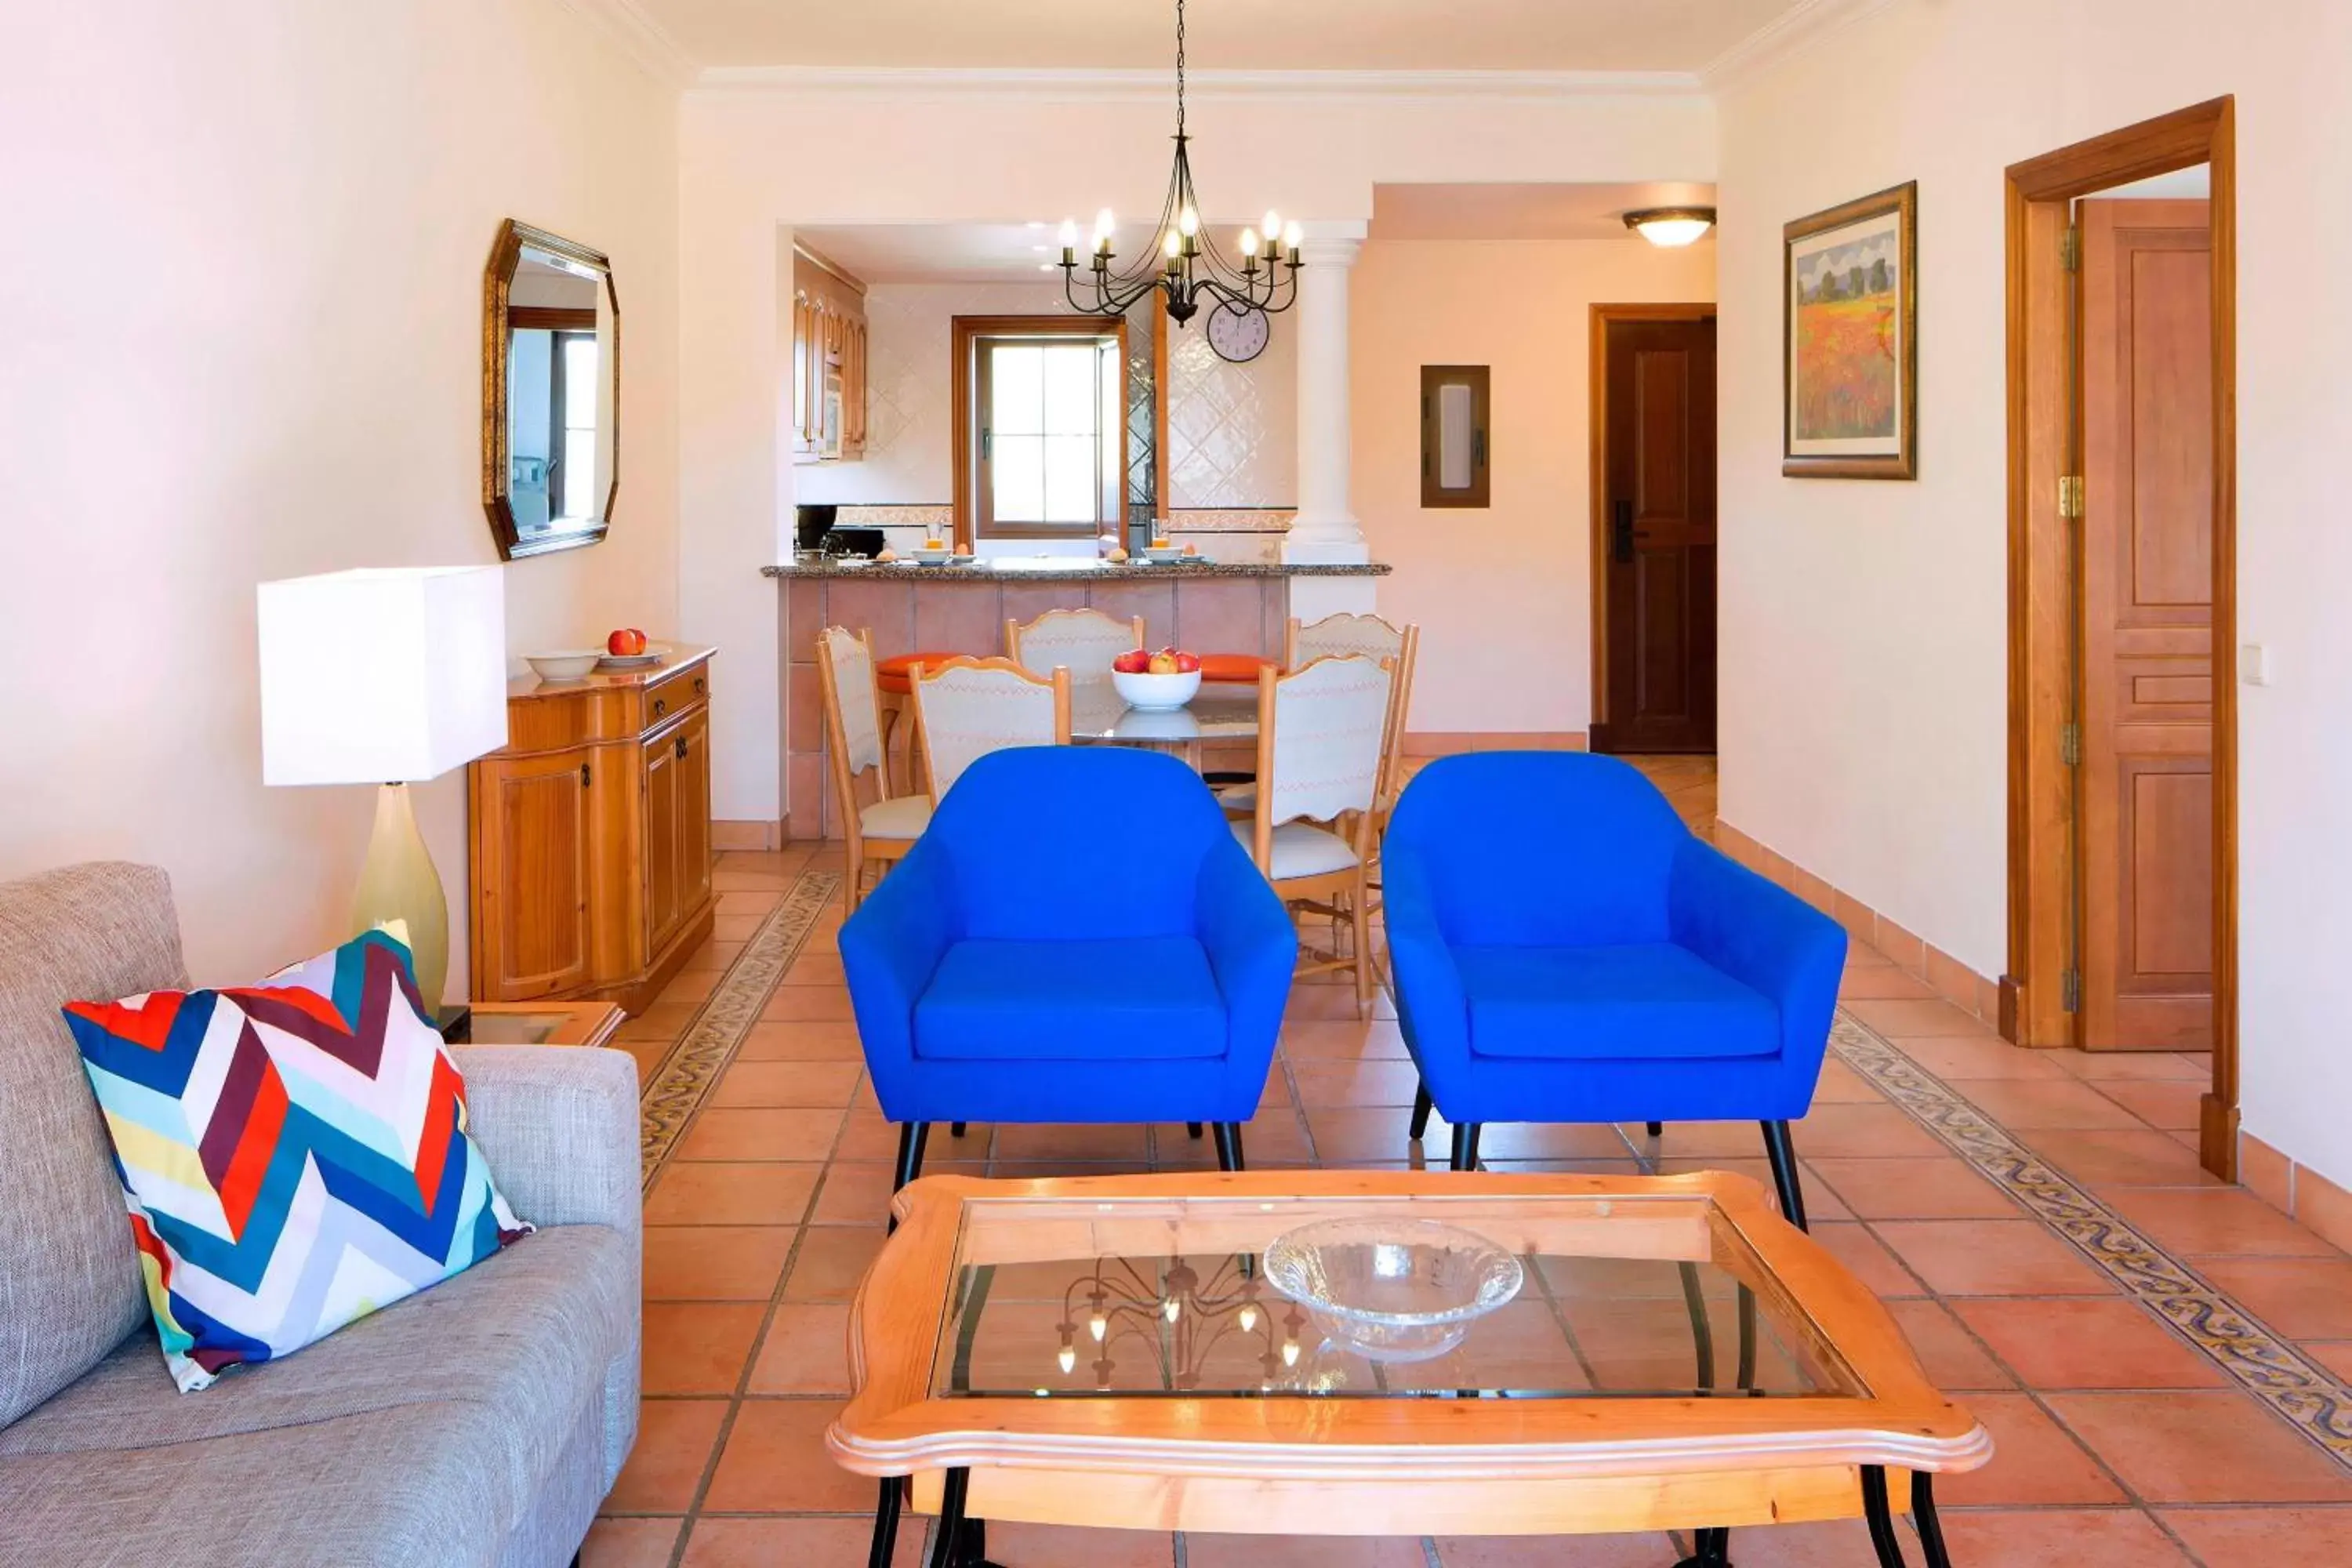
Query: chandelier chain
[(1179, 67)]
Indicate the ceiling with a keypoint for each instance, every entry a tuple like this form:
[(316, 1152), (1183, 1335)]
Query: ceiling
[(1522, 212), (1026, 252), (1224, 35)]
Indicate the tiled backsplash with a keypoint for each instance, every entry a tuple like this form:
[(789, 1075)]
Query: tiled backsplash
[(1233, 429)]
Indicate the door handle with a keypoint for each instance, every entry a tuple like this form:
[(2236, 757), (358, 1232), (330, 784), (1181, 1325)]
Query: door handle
[(584, 775), (1621, 547)]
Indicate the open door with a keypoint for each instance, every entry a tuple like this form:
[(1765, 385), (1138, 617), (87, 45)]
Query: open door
[(2147, 769)]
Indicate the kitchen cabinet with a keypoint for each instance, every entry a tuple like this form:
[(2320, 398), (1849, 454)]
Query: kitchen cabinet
[(829, 361), (591, 862)]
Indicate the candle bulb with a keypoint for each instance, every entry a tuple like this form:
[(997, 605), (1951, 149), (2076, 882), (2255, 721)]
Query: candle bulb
[(1069, 243), (1272, 229), (1188, 223), (1104, 224), (1174, 251), (1290, 237)]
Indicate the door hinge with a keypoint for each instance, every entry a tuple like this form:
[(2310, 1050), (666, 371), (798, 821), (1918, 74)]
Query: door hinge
[(2070, 248), (2070, 991), (2069, 745), (2070, 495)]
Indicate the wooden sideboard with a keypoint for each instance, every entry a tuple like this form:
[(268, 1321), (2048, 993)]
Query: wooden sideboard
[(591, 836)]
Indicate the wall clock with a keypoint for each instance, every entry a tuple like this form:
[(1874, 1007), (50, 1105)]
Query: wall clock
[(1238, 333)]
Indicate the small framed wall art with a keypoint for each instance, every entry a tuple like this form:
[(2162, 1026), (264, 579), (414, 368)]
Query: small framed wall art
[(1850, 375)]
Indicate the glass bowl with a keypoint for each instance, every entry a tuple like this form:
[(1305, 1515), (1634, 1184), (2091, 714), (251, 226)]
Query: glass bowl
[(1392, 1290)]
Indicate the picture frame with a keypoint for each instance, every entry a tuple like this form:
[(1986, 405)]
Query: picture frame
[(1850, 340)]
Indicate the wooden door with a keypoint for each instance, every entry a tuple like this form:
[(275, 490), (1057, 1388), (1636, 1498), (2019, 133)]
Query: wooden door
[(2146, 788), (533, 876), (662, 776), (693, 752), (1657, 550)]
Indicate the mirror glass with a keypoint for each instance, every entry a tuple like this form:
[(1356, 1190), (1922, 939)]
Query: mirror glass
[(550, 432)]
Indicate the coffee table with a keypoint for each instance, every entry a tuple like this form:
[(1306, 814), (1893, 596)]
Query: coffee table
[(1106, 1351)]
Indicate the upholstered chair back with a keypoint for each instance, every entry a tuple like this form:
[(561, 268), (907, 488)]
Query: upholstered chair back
[(1536, 849), (1082, 642), (847, 660), (967, 707), (1328, 725), (1076, 843)]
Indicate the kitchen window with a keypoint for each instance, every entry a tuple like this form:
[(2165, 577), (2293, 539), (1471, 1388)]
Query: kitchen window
[(1038, 404)]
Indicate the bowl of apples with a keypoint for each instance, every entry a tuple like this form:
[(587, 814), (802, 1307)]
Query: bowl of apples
[(1159, 682)]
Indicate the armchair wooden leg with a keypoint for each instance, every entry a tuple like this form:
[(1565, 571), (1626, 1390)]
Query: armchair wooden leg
[(1229, 1146), (1193, 1128), (1784, 1173), (1466, 1146), (911, 1136), (1421, 1106)]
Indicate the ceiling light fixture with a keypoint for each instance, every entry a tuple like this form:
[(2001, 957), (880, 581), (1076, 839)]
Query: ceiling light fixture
[(1186, 264), (1671, 227)]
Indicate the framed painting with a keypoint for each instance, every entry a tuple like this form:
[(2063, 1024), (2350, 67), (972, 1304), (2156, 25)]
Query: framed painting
[(1850, 304)]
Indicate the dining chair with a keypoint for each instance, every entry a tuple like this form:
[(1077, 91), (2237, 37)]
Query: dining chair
[(1082, 642), (1602, 965), (893, 693), (883, 829), (967, 707), (1321, 737), (1374, 639)]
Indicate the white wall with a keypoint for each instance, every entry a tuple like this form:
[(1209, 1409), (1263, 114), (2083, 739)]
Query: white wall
[(1863, 696), (757, 161), (1504, 595), (241, 301)]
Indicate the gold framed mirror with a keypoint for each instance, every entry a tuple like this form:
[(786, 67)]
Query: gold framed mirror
[(551, 392)]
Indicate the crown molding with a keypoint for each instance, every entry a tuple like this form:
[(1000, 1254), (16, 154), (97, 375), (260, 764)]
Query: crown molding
[(1798, 28), (1097, 86), (645, 41)]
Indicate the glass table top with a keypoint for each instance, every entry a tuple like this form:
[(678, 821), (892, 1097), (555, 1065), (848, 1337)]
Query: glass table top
[(1099, 715), (1622, 1299)]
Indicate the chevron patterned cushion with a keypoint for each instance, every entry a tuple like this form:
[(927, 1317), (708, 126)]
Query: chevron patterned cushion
[(293, 1154)]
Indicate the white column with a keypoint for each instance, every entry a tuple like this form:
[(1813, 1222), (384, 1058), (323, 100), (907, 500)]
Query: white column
[(1325, 530)]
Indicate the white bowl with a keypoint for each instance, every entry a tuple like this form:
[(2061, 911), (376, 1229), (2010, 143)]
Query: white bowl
[(933, 557), (1167, 557), (1149, 693), (563, 664)]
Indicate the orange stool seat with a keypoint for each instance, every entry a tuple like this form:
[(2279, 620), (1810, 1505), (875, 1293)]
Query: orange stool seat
[(1239, 668), (892, 674)]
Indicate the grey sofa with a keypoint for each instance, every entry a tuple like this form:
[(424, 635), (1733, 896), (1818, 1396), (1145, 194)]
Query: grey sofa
[(478, 1422)]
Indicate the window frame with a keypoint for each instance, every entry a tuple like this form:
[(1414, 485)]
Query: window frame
[(974, 488)]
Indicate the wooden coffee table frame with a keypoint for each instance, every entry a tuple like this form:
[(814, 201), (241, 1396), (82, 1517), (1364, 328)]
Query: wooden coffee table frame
[(1390, 1466)]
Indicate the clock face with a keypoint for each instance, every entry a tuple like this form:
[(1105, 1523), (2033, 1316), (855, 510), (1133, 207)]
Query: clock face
[(1238, 334)]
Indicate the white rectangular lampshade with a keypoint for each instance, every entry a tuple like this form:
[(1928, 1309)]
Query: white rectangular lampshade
[(386, 675)]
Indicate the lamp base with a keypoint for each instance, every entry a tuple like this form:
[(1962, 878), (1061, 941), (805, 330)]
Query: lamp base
[(398, 883)]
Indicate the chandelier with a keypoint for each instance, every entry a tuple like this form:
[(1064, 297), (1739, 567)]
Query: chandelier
[(1188, 266)]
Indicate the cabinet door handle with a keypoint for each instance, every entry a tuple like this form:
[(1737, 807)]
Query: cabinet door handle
[(661, 706), (700, 687), (681, 748), (584, 775)]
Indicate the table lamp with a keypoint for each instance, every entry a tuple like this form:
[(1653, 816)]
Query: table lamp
[(387, 676)]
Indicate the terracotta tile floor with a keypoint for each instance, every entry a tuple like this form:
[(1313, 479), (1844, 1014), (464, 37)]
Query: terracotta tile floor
[(2119, 1442)]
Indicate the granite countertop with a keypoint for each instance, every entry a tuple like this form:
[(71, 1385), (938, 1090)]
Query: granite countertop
[(906, 572)]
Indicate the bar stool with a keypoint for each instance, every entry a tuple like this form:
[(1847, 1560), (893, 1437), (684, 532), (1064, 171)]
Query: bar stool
[(892, 693)]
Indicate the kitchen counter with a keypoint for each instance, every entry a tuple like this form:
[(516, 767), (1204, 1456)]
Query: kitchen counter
[(1078, 570), (1241, 607)]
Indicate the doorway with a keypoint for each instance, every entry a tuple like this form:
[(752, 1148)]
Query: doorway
[(1653, 528), (2122, 611)]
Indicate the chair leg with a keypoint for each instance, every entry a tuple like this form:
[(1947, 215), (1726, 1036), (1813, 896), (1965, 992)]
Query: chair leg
[(1421, 1106), (1229, 1146), (1657, 1129), (1363, 933), (1193, 1128), (1466, 1146), (955, 1128), (911, 1136), (1784, 1173)]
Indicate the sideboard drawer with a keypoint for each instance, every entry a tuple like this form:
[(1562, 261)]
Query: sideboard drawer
[(666, 699)]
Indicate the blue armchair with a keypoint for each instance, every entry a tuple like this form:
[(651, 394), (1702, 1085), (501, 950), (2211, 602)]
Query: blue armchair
[(1077, 937), (1564, 949)]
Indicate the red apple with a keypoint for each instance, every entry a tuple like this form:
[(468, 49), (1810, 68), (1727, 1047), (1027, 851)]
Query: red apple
[(1135, 662), (1186, 663), (625, 643)]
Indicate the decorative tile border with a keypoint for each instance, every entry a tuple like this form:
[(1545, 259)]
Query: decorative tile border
[(2298, 1390), (687, 1075)]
